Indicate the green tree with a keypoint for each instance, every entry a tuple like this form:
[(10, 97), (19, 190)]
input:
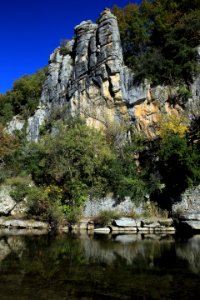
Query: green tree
[(23, 98), (8, 143), (74, 158), (160, 38), (179, 163)]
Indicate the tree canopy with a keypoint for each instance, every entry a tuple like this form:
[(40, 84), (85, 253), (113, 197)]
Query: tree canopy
[(160, 39), (23, 98)]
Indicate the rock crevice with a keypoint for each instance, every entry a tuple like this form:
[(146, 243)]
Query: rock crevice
[(90, 78)]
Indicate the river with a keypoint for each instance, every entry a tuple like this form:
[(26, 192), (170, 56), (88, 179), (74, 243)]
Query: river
[(100, 267)]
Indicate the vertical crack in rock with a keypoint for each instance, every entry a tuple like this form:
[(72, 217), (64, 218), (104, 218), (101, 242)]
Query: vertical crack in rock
[(91, 78)]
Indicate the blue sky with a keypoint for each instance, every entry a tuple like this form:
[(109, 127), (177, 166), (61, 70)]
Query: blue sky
[(31, 29)]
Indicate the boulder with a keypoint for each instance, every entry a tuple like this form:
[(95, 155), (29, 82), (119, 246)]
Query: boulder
[(20, 209), (116, 229), (103, 230), (189, 202), (125, 222), (17, 223), (7, 204), (188, 221), (190, 216), (192, 225)]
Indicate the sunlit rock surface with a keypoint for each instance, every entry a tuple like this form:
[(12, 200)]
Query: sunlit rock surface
[(189, 201), (7, 204), (90, 78)]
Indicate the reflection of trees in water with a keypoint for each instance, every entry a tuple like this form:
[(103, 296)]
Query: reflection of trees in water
[(72, 267), (10, 244), (72, 250), (190, 251), (112, 251)]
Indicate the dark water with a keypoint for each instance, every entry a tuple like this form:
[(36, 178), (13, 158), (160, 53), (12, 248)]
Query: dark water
[(101, 267)]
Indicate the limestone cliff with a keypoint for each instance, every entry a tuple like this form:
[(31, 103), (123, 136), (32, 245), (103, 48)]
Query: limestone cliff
[(90, 78)]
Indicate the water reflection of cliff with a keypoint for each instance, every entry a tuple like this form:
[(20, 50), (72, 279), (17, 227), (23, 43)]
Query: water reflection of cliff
[(125, 249), (101, 267), (190, 251)]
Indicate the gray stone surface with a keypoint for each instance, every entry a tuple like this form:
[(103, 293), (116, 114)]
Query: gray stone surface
[(94, 206), (34, 124), (16, 124), (125, 222), (102, 230), (188, 221), (189, 201), (17, 223), (93, 81), (165, 229), (91, 78), (20, 209), (190, 216), (7, 204), (193, 225)]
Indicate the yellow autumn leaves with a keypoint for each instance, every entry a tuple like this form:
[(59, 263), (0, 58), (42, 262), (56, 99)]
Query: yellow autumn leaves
[(174, 122)]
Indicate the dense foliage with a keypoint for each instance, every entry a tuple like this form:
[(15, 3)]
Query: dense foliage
[(159, 39), (23, 98), (72, 162)]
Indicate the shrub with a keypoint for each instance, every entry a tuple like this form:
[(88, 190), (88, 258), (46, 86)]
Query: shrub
[(173, 123), (23, 98), (38, 204), (20, 187), (151, 209), (105, 217), (160, 39), (64, 51), (178, 163)]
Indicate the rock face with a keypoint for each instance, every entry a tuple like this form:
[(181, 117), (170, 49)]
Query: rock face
[(143, 225), (188, 222), (14, 223), (189, 201), (87, 77), (15, 124), (95, 206), (90, 78), (190, 251), (7, 204)]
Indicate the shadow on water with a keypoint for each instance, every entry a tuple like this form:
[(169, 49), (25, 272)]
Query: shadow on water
[(98, 267)]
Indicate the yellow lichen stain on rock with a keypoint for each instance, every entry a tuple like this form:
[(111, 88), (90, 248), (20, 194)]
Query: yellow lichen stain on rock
[(106, 92), (118, 97), (150, 115), (115, 81), (147, 117)]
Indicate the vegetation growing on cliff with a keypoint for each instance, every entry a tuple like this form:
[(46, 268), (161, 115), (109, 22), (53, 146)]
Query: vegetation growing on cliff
[(23, 98), (72, 162), (159, 39)]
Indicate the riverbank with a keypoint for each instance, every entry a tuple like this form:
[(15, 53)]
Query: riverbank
[(179, 223)]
